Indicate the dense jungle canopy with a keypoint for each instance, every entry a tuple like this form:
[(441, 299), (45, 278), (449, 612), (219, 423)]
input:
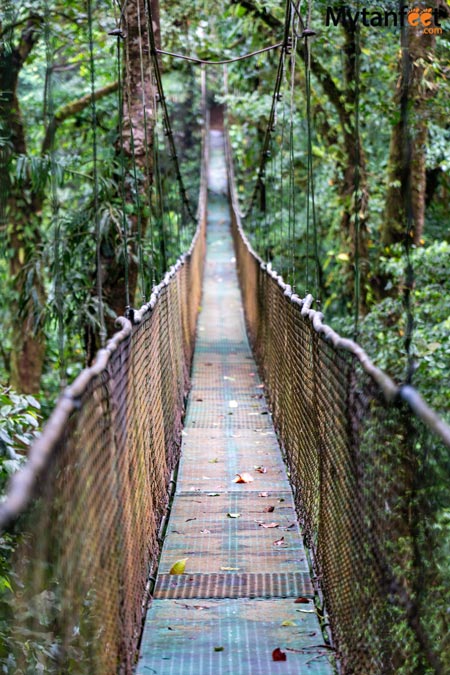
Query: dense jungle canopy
[(352, 204)]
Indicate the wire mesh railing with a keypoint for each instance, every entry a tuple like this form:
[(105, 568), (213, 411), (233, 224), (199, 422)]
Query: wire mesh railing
[(370, 469), (80, 521)]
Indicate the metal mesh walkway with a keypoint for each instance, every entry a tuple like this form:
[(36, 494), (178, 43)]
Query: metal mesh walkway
[(246, 564)]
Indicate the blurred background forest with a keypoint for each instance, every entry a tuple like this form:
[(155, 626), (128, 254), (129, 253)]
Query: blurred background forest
[(73, 204)]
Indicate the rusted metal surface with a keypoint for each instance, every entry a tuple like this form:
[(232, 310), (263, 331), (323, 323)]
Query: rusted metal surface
[(241, 540)]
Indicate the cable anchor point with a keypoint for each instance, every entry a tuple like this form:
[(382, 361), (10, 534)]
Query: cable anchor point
[(308, 32), (118, 32)]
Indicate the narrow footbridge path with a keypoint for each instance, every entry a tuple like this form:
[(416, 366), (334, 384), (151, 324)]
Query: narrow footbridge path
[(246, 565)]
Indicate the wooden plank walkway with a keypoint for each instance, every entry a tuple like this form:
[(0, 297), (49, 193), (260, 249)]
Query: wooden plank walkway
[(246, 566)]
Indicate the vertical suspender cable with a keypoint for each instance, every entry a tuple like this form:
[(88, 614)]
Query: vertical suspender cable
[(101, 314), (149, 176), (122, 175), (49, 113), (311, 204), (408, 208), (356, 197)]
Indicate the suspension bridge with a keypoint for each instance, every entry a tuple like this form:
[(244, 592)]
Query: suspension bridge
[(231, 487)]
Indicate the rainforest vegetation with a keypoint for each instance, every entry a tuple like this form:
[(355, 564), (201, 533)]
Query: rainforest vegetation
[(352, 204)]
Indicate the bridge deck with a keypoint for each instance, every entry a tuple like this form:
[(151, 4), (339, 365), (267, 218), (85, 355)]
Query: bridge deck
[(246, 566)]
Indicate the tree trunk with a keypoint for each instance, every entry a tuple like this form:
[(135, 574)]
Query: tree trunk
[(137, 147), (407, 182), (21, 212)]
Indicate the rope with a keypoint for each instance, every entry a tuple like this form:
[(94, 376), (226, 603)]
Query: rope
[(99, 285), (194, 59)]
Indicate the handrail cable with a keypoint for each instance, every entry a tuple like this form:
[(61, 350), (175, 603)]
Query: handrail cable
[(223, 62)]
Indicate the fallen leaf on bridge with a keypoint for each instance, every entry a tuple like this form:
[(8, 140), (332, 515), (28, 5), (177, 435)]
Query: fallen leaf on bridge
[(261, 469), (278, 655), (179, 566), (243, 478), (267, 525), (233, 515), (268, 509), (279, 542), (301, 600)]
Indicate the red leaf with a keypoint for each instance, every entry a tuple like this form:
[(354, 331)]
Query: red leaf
[(301, 601), (269, 509), (278, 655)]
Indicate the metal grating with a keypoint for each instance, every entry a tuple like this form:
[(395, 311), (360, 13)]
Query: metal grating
[(229, 585)]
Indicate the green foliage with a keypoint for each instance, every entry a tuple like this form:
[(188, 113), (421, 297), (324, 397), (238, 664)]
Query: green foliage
[(383, 330), (19, 426)]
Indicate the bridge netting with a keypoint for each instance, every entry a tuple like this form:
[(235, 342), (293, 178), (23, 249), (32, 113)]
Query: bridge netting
[(368, 463), (369, 466), (95, 490)]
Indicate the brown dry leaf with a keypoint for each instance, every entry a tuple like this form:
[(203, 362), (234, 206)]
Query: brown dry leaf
[(243, 478), (269, 509), (267, 525), (188, 519), (278, 655), (279, 542), (233, 515), (301, 601), (263, 494), (261, 469)]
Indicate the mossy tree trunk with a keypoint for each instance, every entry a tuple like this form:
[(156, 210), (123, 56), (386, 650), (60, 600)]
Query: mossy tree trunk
[(136, 146), (407, 179)]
